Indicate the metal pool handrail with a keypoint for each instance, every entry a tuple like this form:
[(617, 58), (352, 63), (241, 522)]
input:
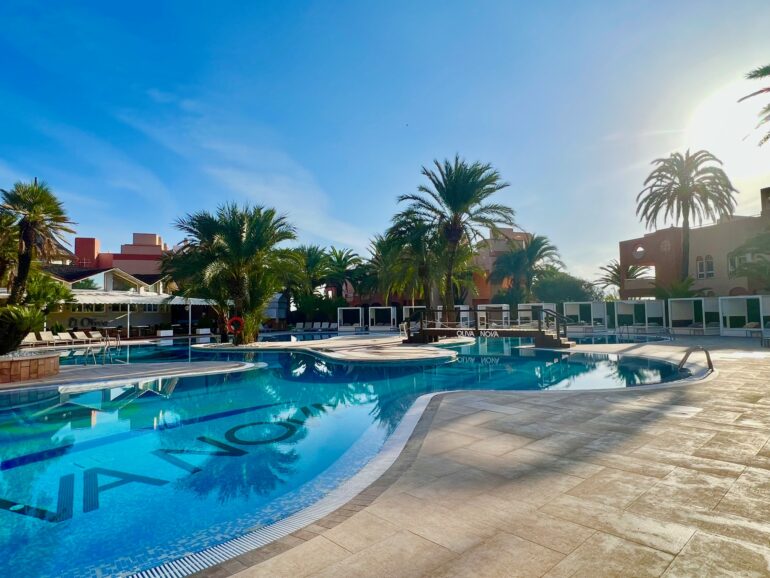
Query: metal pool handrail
[(693, 349)]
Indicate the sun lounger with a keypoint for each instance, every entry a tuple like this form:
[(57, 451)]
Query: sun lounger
[(317, 326), (81, 336), (30, 340), (332, 327), (96, 335), (300, 326), (47, 338), (63, 338), (325, 326)]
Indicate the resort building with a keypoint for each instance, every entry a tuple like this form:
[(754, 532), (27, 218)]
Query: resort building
[(142, 256), (489, 250), (710, 263)]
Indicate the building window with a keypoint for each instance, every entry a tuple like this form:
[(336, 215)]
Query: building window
[(151, 308), (734, 263), (700, 268), (709, 266)]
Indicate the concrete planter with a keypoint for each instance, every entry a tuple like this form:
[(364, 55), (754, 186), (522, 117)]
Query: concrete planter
[(165, 333), (23, 367), (205, 331)]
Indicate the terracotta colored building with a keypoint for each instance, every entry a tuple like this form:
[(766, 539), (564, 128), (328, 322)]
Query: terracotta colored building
[(489, 251), (141, 256), (710, 263)]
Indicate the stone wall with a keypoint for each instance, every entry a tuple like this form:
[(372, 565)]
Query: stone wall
[(13, 369)]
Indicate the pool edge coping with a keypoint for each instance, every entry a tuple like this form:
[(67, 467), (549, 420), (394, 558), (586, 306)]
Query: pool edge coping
[(397, 455)]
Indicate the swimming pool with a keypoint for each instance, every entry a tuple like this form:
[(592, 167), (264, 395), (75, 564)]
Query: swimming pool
[(122, 479)]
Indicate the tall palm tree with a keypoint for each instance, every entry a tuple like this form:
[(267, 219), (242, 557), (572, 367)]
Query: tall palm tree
[(232, 255), (311, 269), (378, 273), (687, 187), (521, 265), (340, 266), (764, 114), (417, 267), (9, 247), (611, 274), (41, 222), (455, 203)]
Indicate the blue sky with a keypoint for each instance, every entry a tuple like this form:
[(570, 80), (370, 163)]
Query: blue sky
[(136, 113)]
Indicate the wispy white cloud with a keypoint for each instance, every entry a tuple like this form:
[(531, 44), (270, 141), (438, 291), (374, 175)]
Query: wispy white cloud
[(115, 168), (243, 161)]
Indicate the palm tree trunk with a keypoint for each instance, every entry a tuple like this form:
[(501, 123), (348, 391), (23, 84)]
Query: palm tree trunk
[(685, 245), (426, 294), (449, 289), (19, 286)]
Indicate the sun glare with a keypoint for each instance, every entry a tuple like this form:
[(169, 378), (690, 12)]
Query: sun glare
[(727, 128)]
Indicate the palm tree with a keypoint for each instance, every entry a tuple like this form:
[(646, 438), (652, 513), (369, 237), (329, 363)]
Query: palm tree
[(687, 187), (764, 114), (311, 268), (455, 204), (9, 247), (611, 274), (41, 222), (340, 266), (522, 265), (417, 267), (232, 255)]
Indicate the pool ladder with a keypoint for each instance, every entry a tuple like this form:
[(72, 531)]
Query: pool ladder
[(693, 349)]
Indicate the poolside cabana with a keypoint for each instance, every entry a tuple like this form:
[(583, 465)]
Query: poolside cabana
[(640, 314), (462, 315), (529, 313), (586, 315), (350, 319), (412, 314), (494, 315), (744, 315), (694, 315), (382, 318)]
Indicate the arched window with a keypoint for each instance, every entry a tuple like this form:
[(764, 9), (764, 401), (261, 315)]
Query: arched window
[(709, 266), (700, 268)]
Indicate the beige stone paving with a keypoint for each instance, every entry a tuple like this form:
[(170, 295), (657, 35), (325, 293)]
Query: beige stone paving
[(656, 481)]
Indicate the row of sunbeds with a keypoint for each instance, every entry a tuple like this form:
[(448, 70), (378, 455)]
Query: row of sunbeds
[(66, 338), (316, 326)]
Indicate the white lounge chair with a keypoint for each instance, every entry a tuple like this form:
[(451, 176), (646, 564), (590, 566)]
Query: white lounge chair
[(300, 326), (81, 336), (47, 338), (325, 326), (30, 340), (97, 335), (63, 338), (317, 326), (332, 327)]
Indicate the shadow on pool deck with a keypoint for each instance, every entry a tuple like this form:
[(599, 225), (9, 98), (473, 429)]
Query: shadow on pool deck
[(618, 482)]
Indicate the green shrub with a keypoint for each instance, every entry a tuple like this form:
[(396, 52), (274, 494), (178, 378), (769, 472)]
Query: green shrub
[(15, 322)]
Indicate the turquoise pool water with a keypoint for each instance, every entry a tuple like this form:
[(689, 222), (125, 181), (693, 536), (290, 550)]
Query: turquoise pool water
[(116, 480)]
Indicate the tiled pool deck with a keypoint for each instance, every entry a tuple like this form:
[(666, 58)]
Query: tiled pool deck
[(671, 480)]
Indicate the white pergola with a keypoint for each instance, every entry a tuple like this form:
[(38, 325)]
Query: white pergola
[(586, 315), (130, 298), (382, 318), (494, 315), (694, 315), (653, 314), (357, 313), (528, 313), (743, 315), (463, 315)]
